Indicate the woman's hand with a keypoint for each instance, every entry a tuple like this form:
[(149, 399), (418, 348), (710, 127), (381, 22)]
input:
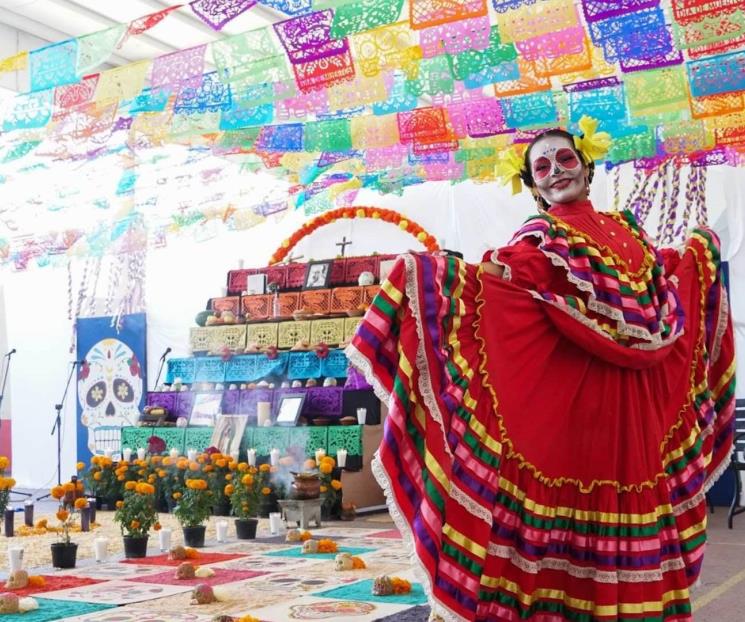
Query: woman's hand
[(491, 268)]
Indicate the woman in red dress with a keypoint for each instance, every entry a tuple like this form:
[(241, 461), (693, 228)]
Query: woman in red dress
[(557, 413)]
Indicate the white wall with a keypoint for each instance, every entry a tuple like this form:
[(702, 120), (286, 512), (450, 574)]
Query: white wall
[(181, 277)]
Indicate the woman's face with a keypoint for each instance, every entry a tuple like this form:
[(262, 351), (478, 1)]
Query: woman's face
[(558, 171)]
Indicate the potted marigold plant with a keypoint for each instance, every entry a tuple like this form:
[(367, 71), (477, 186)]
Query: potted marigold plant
[(219, 469), (102, 481), (244, 494), (194, 506), (136, 515), (6, 483), (64, 552), (330, 486)]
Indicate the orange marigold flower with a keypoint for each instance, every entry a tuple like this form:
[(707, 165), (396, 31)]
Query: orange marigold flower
[(162, 473), (329, 460), (335, 484), (42, 524), (305, 535), (80, 487), (229, 489), (324, 488), (193, 466), (215, 457), (358, 563), (63, 515), (4, 462), (325, 468), (182, 463), (247, 480), (221, 463), (191, 553), (327, 546), (265, 468), (209, 468), (135, 524), (120, 478), (243, 467), (80, 465), (167, 461), (81, 503), (177, 495), (97, 476), (131, 485), (58, 492), (266, 490), (119, 505), (228, 477), (68, 487), (156, 527), (36, 581)]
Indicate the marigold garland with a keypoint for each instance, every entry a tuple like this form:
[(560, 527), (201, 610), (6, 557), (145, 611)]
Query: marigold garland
[(327, 546), (376, 213)]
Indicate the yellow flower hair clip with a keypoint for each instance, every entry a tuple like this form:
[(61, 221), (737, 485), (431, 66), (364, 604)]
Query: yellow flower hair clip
[(593, 145), (509, 167)]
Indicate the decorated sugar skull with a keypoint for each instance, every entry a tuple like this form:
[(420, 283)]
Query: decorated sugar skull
[(109, 392)]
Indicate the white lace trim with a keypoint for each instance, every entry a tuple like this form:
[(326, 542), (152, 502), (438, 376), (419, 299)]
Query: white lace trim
[(599, 307), (584, 572), (399, 520), (718, 472), (721, 329)]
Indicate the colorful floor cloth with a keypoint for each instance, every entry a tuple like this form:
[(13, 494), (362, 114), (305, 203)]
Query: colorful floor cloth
[(362, 590), (547, 462), (56, 582), (55, 610)]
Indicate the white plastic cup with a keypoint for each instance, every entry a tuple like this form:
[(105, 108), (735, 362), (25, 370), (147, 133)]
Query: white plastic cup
[(275, 522), (126, 454), (100, 549), (341, 458), (222, 530), (141, 453), (191, 455), (251, 456), (164, 539), (361, 415), (15, 558), (263, 413)]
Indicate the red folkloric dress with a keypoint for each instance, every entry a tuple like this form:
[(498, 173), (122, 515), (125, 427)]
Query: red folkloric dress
[(551, 434)]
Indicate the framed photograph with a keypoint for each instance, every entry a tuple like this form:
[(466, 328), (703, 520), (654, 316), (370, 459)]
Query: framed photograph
[(228, 433), (255, 284), (206, 408), (386, 265), (289, 409), (318, 274)]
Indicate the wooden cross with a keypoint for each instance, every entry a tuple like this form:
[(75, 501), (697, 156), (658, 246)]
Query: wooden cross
[(343, 244)]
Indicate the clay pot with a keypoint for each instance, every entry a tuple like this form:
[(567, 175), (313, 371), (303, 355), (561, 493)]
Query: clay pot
[(306, 486)]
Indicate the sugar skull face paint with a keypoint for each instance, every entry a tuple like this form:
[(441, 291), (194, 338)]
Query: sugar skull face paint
[(558, 171)]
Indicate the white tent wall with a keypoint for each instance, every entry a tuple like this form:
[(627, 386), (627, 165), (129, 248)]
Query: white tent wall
[(183, 275)]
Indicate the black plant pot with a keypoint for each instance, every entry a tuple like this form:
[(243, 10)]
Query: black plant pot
[(135, 547), (64, 554), (194, 536), (245, 528), (267, 505), (221, 509), (99, 502)]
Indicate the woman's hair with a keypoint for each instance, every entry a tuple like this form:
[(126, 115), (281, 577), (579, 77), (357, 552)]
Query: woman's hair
[(527, 174)]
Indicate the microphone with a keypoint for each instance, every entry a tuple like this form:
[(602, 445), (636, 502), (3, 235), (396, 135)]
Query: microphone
[(163, 357), (13, 351)]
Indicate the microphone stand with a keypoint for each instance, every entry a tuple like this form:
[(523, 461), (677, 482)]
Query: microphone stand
[(2, 395), (58, 428), (160, 369)]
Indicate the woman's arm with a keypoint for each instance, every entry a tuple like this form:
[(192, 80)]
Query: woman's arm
[(491, 268)]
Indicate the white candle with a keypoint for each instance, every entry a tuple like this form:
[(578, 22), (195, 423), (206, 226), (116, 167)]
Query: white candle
[(361, 415), (141, 453), (341, 458), (15, 558), (274, 522), (164, 539), (222, 530), (251, 456), (234, 456), (192, 455), (274, 457), (107, 453), (174, 453), (263, 413), (240, 264), (126, 454), (100, 549), (320, 453)]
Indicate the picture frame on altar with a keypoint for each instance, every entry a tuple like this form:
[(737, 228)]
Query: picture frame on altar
[(206, 408), (228, 433), (385, 267), (289, 409), (318, 274), (255, 284)]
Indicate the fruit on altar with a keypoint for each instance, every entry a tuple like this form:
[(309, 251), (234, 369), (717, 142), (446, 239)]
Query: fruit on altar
[(201, 318), (228, 317)]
